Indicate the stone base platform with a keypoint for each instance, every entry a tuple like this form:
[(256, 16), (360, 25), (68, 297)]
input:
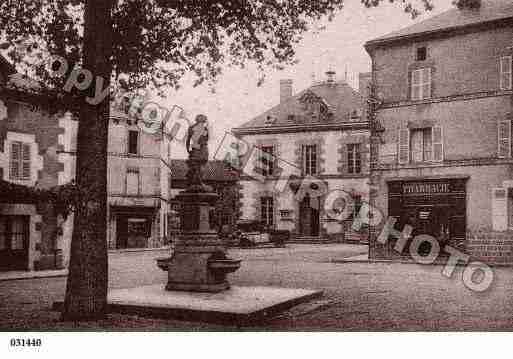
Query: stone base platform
[(236, 306)]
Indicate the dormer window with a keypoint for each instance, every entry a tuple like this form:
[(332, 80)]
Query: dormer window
[(421, 53), (270, 120)]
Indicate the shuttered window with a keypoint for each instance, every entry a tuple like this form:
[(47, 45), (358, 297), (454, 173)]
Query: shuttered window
[(499, 209), (438, 144), (421, 84), (421, 145), (505, 75), (404, 146), (504, 139), (20, 161)]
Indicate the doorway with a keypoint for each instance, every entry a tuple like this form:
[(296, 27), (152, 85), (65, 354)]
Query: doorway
[(309, 216)]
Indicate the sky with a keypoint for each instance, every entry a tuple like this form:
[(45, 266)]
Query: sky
[(339, 45)]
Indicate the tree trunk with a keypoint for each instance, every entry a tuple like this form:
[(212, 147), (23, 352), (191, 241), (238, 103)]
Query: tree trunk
[(86, 291)]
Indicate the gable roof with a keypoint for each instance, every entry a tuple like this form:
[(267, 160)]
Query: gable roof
[(340, 98), (489, 12), (217, 171)]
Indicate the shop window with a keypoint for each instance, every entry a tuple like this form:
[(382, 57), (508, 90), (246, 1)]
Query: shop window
[(309, 160), (505, 73), (132, 181), (421, 84), (267, 211), (266, 160), (20, 161), (133, 142), (354, 158)]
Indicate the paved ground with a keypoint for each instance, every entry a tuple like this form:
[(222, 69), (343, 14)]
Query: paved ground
[(358, 296)]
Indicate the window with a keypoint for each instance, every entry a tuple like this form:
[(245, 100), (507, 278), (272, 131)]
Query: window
[(421, 84), (354, 158), (309, 160), (13, 232), (421, 53), (421, 145), (133, 142), (20, 161), (504, 138), (505, 68), (267, 210), (266, 159), (132, 181)]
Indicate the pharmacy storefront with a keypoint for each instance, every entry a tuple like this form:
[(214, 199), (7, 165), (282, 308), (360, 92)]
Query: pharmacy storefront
[(436, 207)]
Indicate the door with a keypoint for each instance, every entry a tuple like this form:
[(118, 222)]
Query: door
[(309, 216), (14, 242)]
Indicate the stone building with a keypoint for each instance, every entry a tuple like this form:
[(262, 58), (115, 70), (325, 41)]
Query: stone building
[(311, 144), (137, 208), (31, 129), (444, 159)]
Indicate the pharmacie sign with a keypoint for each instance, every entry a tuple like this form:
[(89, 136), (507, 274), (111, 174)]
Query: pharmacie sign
[(426, 187)]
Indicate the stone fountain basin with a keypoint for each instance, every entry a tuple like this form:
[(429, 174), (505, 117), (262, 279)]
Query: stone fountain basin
[(224, 265)]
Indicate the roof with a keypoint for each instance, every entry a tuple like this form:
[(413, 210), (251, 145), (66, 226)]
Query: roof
[(217, 171), (490, 11), (342, 100)]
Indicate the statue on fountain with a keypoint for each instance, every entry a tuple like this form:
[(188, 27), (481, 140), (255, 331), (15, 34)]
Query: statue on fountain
[(197, 148), (199, 262)]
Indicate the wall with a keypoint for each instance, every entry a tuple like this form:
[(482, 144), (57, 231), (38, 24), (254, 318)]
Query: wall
[(466, 64), (33, 124)]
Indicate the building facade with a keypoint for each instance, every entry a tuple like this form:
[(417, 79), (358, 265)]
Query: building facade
[(137, 208), (303, 150), (444, 156), (31, 128)]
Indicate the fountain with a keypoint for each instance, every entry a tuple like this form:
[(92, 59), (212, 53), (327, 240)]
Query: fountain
[(197, 288), (199, 262)]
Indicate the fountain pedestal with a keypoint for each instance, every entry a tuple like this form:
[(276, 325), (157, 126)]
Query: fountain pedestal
[(199, 262)]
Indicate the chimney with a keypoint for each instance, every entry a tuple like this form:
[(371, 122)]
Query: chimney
[(285, 90), (364, 81), (330, 76)]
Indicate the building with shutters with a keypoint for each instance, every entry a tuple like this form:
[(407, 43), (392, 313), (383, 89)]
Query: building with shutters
[(31, 137), (305, 149), (137, 179), (444, 161), (38, 149)]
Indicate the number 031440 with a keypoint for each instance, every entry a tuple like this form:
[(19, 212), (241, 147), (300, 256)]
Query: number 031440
[(25, 342)]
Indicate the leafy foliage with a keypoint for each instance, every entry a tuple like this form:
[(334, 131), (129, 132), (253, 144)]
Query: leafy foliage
[(63, 198), (411, 7), (156, 42), (467, 4)]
